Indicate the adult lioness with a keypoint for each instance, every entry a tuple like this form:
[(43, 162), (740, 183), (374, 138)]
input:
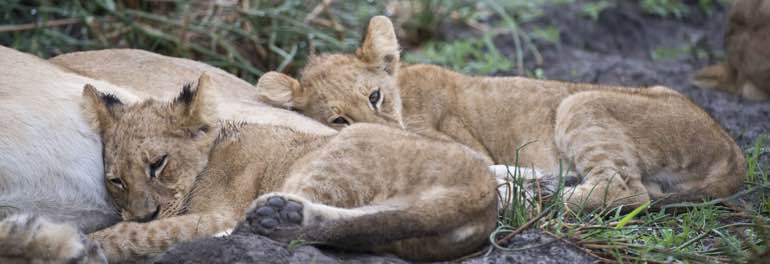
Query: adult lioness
[(629, 145), (50, 162), (150, 75), (177, 174)]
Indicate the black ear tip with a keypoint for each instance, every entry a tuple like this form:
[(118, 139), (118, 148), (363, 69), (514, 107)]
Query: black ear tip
[(388, 58), (110, 100), (89, 89), (186, 96)]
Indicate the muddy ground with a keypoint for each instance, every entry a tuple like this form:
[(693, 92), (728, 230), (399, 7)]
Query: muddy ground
[(616, 49)]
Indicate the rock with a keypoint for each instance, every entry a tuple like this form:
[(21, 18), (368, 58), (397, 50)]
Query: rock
[(532, 246)]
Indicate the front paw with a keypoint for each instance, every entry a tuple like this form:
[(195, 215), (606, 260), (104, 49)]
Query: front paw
[(30, 239), (548, 186), (275, 216)]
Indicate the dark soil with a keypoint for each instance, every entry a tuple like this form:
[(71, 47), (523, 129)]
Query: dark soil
[(616, 49), (249, 248)]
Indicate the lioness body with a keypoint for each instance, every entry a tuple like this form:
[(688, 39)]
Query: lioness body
[(150, 75), (174, 167), (51, 163), (629, 145)]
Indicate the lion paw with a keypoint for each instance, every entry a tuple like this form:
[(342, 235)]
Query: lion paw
[(548, 186), (28, 238), (275, 216)]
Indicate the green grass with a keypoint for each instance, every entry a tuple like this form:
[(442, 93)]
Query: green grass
[(665, 53), (252, 37), (467, 56), (756, 174), (246, 39), (696, 233), (666, 8), (677, 8), (595, 8), (549, 34)]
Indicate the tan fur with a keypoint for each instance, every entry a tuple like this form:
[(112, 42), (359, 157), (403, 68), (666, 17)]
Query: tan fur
[(629, 145), (32, 239), (366, 188), (151, 75), (747, 69)]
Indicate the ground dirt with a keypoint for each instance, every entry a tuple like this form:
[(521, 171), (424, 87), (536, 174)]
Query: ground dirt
[(248, 248), (615, 49)]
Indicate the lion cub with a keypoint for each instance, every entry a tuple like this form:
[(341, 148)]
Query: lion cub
[(747, 69), (627, 145), (177, 174)]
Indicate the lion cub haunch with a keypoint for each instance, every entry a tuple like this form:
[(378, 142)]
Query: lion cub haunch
[(627, 145), (177, 173), (746, 71)]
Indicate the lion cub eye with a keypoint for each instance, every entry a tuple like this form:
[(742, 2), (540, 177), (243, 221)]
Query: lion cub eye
[(156, 167), (375, 99), (340, 121), (118, 183)]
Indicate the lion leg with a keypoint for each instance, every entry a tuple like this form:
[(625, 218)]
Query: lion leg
[(426, 227), (33, 239), (130, 241), (506, 177), (604, 155)]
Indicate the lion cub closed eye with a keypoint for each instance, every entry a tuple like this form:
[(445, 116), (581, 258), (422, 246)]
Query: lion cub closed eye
[(625, 145)]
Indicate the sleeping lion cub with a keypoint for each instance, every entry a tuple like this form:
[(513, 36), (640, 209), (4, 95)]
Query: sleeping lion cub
[(626, 145), (176, 174)]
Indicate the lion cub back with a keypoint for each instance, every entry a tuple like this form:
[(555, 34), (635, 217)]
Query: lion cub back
[(376, 154)]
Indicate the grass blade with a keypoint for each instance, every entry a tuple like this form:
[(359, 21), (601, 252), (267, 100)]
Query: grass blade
[(631, 215)]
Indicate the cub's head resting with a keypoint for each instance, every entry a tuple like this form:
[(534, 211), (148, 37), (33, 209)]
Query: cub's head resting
[(341, 89), (153, 151)]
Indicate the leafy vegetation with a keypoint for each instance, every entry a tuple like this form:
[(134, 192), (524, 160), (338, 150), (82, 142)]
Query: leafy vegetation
[(677, 8), (245, 38), (665, 8), (593, 9), (468, 56)]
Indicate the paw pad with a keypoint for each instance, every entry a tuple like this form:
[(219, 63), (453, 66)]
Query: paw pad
[(276, 217)]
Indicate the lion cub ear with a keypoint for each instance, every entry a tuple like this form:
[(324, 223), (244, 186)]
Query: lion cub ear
[(380, 46), (101, 110), (280, 90), (196, 106)]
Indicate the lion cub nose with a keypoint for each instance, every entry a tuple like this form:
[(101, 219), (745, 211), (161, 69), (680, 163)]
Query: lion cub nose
[(152, 215)]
